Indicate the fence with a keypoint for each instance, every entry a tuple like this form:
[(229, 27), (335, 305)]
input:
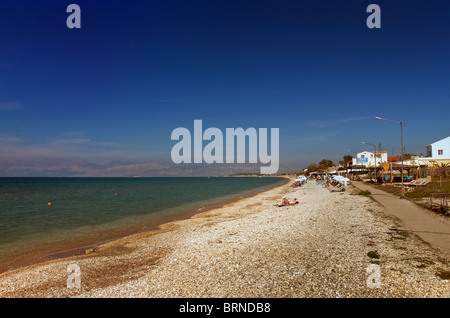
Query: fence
[(439, 201), (440, 172)]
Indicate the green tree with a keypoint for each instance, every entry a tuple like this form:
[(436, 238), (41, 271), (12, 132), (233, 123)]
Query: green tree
[(311, 168), (325, 163), (347, 158), (408, 156)]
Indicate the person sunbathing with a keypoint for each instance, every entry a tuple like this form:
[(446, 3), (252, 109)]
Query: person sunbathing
[(285, 202), (293, 202)]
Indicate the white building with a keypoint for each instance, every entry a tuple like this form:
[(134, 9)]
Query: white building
[(439, 151), (367, 158)]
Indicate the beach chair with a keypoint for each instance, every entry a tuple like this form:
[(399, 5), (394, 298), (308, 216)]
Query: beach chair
[(409, 184), (421, 183), (424, 183), (338, 188), (416, 183)]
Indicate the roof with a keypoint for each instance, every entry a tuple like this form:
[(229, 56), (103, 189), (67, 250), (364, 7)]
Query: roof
[(411, 163), (384, 151), (358, 167), (439, 141), (394, 158), (416, 162)]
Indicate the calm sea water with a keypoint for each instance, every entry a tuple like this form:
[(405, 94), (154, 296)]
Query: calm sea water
[(84, 207)]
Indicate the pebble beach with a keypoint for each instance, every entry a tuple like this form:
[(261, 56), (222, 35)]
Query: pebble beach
[(331, 245)]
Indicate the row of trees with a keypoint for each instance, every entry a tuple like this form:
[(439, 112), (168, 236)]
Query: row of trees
[(324, 164), (321, 167)]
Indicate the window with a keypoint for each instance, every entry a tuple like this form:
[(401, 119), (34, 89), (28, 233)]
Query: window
[(440, 152)]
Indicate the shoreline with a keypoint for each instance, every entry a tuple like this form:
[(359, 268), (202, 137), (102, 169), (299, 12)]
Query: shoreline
[(33, 255), (249, 248)]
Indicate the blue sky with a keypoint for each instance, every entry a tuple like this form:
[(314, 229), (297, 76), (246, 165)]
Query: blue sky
[(136, 70)]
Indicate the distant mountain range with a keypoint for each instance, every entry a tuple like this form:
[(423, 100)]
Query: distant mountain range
[(62, 167)]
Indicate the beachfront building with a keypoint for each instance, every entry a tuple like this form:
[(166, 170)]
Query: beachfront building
[(439, 152), (368, 158)]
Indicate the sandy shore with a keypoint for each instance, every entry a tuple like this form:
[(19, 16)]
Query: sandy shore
[(330, 245)]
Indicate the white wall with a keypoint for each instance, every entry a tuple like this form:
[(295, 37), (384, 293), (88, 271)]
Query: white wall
[(381, 158), (443, 145)]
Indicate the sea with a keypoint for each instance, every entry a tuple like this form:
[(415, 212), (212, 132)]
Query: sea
[(47, 218)]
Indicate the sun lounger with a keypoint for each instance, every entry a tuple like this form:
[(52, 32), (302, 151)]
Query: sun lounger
[(338, 188), (424, 183), (407, 184), (421, 183)]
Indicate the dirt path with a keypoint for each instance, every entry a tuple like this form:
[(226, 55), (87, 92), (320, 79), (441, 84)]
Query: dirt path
[(430, 227)]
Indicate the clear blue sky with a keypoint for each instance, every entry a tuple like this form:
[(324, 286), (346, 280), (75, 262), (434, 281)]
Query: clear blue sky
[(116, 88)]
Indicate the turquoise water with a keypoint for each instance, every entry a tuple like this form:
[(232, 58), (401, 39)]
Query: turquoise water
[(82, 207)]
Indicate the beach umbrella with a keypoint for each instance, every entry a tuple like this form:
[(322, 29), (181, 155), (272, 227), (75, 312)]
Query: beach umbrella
[(344, 181)]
